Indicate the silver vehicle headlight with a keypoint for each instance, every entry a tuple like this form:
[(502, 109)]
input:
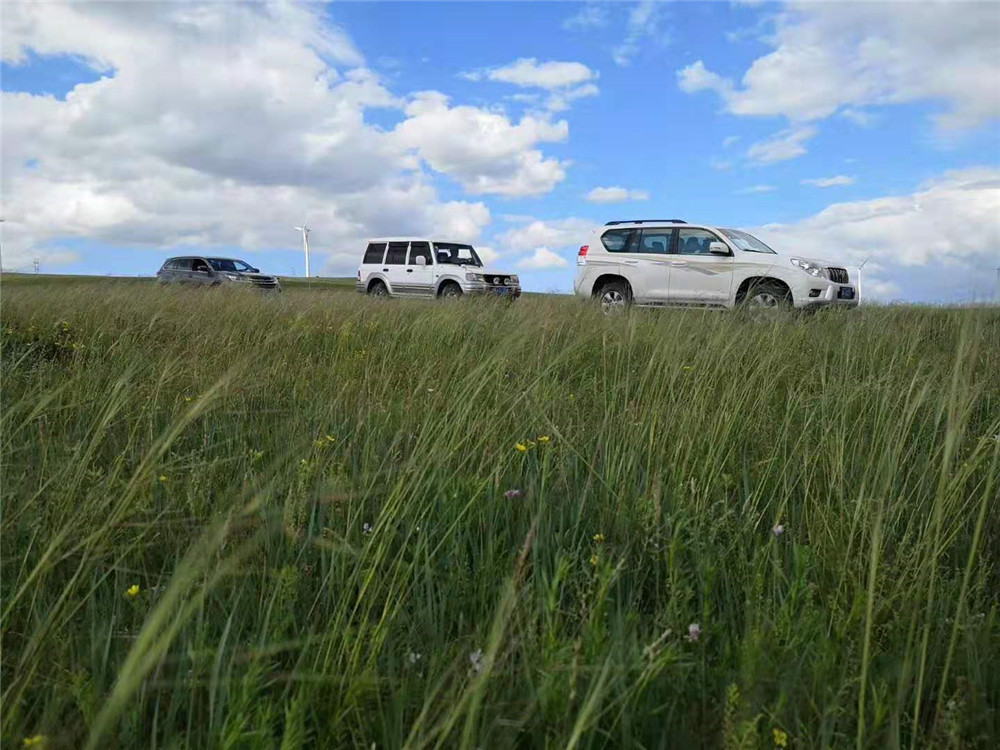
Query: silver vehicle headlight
[(234, 277), (813, 269)]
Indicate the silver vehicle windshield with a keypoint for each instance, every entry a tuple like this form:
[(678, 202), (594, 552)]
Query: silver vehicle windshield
[(231, 265), (455, 254), (747, 242)]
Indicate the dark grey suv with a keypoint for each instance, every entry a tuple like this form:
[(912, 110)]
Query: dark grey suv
[(205, 271)]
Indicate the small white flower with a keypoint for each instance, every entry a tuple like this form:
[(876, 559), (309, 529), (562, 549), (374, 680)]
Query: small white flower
[(430, 390), (476, 657), (414, 657), (694, 632), (367, 529), (778, 530)]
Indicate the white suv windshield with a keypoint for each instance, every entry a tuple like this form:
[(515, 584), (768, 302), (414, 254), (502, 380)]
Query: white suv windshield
[(747, 242), (456, 255)]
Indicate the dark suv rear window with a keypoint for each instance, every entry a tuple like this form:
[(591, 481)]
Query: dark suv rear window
[(374, 252), (619, 240)]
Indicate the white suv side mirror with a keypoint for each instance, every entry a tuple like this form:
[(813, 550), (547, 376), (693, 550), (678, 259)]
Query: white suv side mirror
[(421, 260), (718, 248)]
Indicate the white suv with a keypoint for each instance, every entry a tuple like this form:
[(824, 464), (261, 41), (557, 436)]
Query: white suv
[(406, 267), (655, 262)]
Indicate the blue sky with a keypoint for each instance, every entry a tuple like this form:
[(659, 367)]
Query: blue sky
[(850, 131)]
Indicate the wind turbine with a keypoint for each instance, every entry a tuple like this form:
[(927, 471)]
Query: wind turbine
[(305, 243), (858, 293)]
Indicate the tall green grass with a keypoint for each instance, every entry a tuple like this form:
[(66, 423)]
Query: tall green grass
[(311, 493)]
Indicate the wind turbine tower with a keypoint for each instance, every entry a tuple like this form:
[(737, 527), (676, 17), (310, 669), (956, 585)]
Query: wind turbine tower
[(305, 244)]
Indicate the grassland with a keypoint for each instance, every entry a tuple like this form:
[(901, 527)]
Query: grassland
[(305, 521)]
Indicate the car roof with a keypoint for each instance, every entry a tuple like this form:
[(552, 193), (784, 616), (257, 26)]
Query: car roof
[(418, 239), (654, 224)]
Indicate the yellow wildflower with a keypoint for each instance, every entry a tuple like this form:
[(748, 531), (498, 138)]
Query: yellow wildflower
[(543, 438), (520, 447), (780, 738), (598, 537), (593, 559), (37, 741), (329, 438), (132, 591), (163, 479)]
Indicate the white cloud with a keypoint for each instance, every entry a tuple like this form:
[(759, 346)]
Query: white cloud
[(616, 195), (784, 145), (720, 165), (483, 150), (528, 72), (858, 54), (557, 233), (756, 189), (824, 182), (227, 124), (590, 16), (859, 117), (730, 140), (541, 258), (939, 243), (565, 81), (642, 27)]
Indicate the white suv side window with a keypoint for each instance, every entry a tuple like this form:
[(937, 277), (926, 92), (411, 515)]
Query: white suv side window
[(619, 240), (695, 241), (655, 241)]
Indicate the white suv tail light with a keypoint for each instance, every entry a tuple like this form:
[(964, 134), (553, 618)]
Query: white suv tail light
[(581, 257)]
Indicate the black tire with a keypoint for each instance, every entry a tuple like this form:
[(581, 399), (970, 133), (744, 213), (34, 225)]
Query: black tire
[(614, 297), (450, 290), (769, 294), (377, 289)]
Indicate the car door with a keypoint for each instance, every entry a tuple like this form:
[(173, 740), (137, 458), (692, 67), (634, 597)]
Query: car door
[(372, 262), (201, 272), (394, 268), (697, 276), (645, 263), (420, 275)]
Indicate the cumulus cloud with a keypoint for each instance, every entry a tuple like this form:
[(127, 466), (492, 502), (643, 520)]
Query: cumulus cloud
[(824, 182), (483, 150), (859, 54), (227, 124), (528, 72), (616, 195), (541, 258), (556, 233), (564, 81), (784, 145), (940, 243), (756, 189)]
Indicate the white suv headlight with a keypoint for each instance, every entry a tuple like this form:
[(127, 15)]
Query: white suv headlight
[(514, 279), (813, 269), (474, 277)]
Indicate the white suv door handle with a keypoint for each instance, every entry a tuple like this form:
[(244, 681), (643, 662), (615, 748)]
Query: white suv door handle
[(678, 262), (631, 262)]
